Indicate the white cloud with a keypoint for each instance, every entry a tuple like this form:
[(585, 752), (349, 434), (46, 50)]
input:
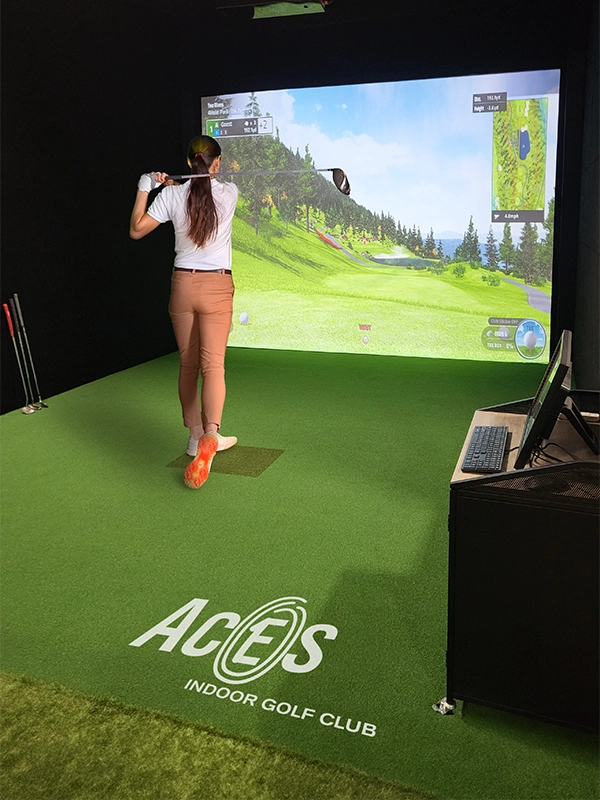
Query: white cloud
[(352, 149), (411, 182)]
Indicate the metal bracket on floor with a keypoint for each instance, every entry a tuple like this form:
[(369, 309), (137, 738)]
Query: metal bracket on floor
[(444, 707)]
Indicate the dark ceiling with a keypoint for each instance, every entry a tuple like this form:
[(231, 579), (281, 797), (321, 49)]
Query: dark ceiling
[(379, 9)]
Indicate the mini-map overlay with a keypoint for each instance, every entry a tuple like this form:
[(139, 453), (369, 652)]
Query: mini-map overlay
[(519, 156)]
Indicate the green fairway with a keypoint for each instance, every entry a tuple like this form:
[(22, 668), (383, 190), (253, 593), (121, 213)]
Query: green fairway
[(294, 291)]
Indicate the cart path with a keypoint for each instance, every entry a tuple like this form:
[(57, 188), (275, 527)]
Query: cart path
[(535, 297)]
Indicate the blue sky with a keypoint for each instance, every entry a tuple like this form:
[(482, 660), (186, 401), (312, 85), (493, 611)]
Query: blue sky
[(413, 149)]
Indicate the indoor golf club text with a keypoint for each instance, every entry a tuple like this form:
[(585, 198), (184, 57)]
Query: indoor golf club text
[(283, 708)]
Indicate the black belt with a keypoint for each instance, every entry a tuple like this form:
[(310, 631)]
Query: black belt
[(221, 271)]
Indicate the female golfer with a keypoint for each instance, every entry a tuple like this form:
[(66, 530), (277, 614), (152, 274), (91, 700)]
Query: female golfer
[(201, 211)]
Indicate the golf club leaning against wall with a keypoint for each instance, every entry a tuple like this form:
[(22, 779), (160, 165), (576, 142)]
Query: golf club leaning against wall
[(338, 175), (21, 325), (18, 328), (28, 408)]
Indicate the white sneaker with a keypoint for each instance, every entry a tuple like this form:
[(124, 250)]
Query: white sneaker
[(225, 442)]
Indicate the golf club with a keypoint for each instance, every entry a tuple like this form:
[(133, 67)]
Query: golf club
[(27, 409), (13, 311), (22, 324), (340, 179)]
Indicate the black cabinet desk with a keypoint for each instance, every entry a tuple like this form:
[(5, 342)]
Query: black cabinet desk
[(523, 593)]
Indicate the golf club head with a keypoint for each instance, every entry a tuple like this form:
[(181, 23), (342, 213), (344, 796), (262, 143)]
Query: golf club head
[(340, 180)]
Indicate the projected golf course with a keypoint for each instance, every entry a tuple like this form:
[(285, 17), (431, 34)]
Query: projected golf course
[(416, 261), (296, 290)]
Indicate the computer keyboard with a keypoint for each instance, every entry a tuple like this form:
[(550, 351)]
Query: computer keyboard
[(485, 451)]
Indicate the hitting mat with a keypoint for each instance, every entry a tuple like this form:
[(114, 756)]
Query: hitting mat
[(299, 597), (248, 461)]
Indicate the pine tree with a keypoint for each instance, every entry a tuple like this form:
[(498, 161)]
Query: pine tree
[(471, 251), (419, 241), (429, 246), (491, 251), (459, 253), (526, 254), (388, 225), (252, 108), (546, 246), (507, 249), (401, 236), (308, 185), (414, 241)]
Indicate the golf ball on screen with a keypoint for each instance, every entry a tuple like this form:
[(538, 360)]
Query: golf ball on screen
[(530, 340), (244, 318)]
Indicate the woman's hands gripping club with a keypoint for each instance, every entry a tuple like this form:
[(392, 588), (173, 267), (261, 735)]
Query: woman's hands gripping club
[(152, 180)]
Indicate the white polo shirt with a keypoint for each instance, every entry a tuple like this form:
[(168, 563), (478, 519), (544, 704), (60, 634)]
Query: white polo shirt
[(170, 205)]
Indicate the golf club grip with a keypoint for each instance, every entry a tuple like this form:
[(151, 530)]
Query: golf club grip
[(19, 314), (13, 312), (9, 320)]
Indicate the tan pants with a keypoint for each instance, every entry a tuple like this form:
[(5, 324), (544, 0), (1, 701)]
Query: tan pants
[(201, 308)]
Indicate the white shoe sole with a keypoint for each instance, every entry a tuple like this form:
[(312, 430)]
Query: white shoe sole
[(225, 442)]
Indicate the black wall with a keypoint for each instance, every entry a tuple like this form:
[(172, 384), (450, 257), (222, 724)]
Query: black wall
[(94, 95), (587, 308)]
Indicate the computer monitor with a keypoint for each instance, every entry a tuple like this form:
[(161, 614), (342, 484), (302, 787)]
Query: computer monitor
[(548, 402)]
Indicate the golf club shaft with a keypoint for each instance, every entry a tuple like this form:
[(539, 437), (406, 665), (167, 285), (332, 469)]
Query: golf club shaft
[(22, 324), (13, 310), (252, 172), (12, 336)]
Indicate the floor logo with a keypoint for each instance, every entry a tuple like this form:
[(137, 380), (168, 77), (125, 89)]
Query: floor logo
[(275, 633)]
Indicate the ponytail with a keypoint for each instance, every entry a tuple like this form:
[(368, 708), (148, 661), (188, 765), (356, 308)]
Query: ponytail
[(201, 209)]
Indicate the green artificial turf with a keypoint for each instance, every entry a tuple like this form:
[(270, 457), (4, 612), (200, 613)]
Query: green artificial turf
[(101, 541), (60, 745)]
